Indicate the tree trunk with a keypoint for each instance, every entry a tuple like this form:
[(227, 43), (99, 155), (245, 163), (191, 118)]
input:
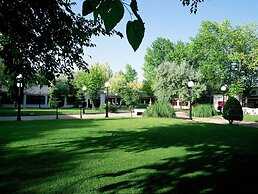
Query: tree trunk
[(93, 105)]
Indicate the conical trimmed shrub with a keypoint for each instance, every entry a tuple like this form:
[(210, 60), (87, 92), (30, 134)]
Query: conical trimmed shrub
[(232, 110)]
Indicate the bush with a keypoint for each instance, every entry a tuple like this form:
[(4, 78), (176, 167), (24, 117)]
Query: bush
[(111, 108), (203, 110), (160, 109), (232, 110)]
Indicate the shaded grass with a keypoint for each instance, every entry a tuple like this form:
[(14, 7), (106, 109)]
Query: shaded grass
[(44, 111), (132, 155)]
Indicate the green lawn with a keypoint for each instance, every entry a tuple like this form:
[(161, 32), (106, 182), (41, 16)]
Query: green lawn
[(247, 117), (250, 118), (43, 111), (127, 155)]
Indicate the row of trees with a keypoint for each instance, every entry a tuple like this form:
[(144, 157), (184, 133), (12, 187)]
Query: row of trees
[(91, 84), (220, 54)]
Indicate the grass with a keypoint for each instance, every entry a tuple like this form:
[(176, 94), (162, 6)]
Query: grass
[(43, 111), (250, 118), (127, 155), (247, 117)]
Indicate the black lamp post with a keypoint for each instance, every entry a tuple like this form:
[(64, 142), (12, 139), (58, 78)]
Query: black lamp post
[(19, 85), (190, 86), (223, 89), (107, 84), (84, 88)]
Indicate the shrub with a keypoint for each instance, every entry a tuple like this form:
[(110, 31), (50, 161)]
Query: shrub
[(111, 108), (159, 109), (203, 110), (232, 110)]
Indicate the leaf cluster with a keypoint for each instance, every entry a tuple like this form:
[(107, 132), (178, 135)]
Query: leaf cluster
[(44, 36), (172, 82), (111, 12), (225, 54), (93, 81), (193, 4)]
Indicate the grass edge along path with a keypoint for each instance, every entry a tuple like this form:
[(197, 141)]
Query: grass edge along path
[(4, 112), (127, 155)]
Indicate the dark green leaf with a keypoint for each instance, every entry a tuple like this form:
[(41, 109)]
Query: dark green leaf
[(95, 14), (95, 4), (134, 8), (86, 7), (111, 12), (135, 33)]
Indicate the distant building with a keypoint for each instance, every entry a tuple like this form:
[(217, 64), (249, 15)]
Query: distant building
[(250, 102), (37, 96), (33, 96)]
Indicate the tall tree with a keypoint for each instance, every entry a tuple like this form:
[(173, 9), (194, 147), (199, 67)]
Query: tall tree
[(130, 73), (44, 36), (172, 82), (117, 82), (157, 53), (93, 81), (225, 54), (179, 53), (58, 90), (131, 93)]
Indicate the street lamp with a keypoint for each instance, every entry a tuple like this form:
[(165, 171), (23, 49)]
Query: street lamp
[(84, 88), (107, 85), (190, 86), (19, 85), (223, 89)]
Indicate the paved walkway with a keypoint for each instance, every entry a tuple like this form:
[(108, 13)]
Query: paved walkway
[(179, 115)]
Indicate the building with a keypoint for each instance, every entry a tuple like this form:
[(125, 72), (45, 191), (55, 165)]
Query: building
[(38, 97), (250, 104), (34, 97), (252, 100)]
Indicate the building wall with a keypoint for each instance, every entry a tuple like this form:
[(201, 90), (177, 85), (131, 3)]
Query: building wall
[(218, 101)]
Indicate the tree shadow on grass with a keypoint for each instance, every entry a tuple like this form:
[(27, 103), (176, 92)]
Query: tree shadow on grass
[(201, 173), (218, 159)]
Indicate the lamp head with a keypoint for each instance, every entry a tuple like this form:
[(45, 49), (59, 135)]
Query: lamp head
[(19, 76), (107, 84), (223, 88), (190, 84)]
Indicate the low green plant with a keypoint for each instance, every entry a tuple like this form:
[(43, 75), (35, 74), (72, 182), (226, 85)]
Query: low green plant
[(233, 110), (203, 110), (160, 109), (111, 108)]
